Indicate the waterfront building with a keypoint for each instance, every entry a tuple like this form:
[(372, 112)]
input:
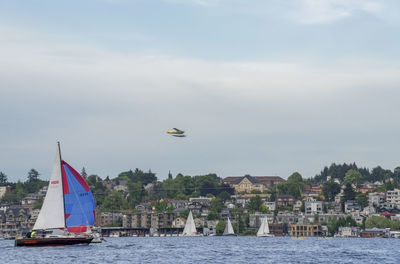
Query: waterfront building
[(348, 231), (301, 230)]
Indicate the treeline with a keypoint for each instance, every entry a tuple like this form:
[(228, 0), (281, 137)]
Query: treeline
[(20, 189), (144, 186), (338, 171)]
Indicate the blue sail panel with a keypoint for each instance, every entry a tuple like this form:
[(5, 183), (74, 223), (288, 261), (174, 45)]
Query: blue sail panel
[(78, 199)]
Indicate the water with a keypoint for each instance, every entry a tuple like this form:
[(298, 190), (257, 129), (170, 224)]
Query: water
[(211, 250)]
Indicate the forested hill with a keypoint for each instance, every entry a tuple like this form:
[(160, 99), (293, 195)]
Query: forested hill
[(338, 171)]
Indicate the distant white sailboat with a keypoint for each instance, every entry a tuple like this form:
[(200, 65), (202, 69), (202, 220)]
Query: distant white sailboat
[(263, 231), (190, 227), (229, 229)]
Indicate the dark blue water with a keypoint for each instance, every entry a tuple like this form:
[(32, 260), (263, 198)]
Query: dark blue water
[(211, 250)]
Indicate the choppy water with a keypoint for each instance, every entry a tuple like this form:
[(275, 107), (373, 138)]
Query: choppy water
[(211, 250)]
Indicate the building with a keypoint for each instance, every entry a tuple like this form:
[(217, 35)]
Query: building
[(301, 230), (4, 190), (286, 218), (255, 219), (376, 199), (348, 231), (285, 200), (375, 232), (393, 197), (351, 206), (109, 219), (312, 207), (148, 220), (249, 183)]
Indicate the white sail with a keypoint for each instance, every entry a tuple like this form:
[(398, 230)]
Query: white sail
[(52, 212), (264, 228), (228, 228), (190, 227)]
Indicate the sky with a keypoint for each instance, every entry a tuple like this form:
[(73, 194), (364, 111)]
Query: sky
[(261, 87)]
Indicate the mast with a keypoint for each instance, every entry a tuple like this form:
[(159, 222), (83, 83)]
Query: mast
[(62, 182)]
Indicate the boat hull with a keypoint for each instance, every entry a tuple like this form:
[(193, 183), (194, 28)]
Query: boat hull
[(52, 241)]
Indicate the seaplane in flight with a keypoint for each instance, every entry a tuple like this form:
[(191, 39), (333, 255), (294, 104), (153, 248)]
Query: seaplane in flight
[(176, 132)]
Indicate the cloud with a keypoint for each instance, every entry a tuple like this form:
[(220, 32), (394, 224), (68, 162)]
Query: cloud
[(111, 109), (326, 11)]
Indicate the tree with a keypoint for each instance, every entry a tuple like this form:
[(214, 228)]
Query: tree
[(362, 199), (255, 204), (349, 193), (352, 176), (83, 173), (330, 189), (114, 202), (3, 178), (33, 175), (293, 186), (219, 229)]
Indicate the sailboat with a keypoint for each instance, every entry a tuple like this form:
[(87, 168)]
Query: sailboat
[(263, 231), (229, 229), (190, 227), (68, 210)]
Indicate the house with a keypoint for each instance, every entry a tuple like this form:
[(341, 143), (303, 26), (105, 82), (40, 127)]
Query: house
[(249, 183), (297, 206), (270, 205), (285, 200), (351, 206), (179, 222), (178, 205)]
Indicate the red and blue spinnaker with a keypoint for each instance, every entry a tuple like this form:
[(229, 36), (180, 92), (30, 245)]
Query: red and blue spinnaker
[(79, 206)]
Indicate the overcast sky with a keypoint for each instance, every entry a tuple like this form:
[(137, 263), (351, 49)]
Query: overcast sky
[(262, 87)]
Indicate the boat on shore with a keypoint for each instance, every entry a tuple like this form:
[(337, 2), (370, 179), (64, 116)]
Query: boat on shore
[(68, 211)]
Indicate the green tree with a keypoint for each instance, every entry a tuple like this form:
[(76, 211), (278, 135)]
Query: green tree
[(349, 193), (3, 178), (352, 176), (136, 192), (83, 173), (114, 202), (255, 203), (33, 175), (362, 199), (219, 229), (293, 186), (330, 189)]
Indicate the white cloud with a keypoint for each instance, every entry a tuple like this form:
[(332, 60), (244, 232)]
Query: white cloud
[(326, 11)]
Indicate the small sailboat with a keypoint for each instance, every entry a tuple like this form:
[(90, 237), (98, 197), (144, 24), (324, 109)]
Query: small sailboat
[(190, 227), (263, 231), (229, 229), (68, 210)]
